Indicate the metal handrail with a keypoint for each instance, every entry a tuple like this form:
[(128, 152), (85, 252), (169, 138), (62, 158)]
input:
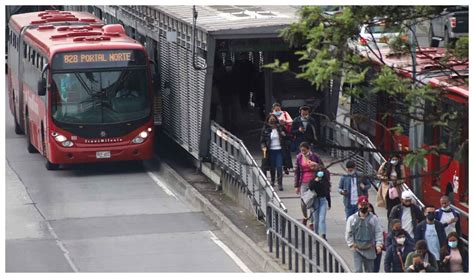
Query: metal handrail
[(301, 245), (377, 160), (232, 156)]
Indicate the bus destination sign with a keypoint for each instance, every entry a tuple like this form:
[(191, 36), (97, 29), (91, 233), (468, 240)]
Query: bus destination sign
[(98, 59)]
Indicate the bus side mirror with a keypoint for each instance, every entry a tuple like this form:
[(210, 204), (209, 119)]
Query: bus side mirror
[(42, 87)]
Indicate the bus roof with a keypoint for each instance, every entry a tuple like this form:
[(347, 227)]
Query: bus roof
[(428, 69), (55, 31)]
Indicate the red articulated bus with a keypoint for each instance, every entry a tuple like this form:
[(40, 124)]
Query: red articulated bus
[(79, 89), (455, 178)]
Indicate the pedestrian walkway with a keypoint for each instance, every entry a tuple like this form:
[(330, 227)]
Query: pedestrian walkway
[(335, 220)]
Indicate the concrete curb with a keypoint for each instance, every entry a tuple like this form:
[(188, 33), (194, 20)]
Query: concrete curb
[(254, 253)]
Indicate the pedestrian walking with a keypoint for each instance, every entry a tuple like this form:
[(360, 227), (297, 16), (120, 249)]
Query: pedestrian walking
[(274, 144), (396, 226), (432, 231), (304, 129), (421, 260), (378, 259), (409, 213), (454, 255), (391, 175), (364, 236), (283, 117), (351, 186), (305, 170), (397, 252), (321, 185), (448, 216)]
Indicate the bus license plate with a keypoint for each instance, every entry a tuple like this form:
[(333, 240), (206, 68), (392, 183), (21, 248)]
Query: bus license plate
[(104, 154)]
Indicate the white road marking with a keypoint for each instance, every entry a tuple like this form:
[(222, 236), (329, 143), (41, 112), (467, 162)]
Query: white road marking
[(62, 247), (161, 184), (230, 253)]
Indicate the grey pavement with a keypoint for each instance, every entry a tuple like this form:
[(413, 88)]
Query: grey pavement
[(100, 218)]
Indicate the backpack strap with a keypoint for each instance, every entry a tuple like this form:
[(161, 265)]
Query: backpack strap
[(399, 254)]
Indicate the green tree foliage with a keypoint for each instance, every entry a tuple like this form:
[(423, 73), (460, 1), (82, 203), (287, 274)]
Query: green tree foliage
[(323, 44)]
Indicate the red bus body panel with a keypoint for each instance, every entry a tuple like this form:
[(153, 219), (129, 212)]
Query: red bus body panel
[(40, 119)]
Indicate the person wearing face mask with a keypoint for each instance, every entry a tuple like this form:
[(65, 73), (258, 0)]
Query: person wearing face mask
[(448, 216), (396, 226), (396, 254), (421, 260), (304, 128), (454, 255), (351, 186), (408, 213), (391, 175), (364, 236), (321, 185), (283, 116), (432, 231), (274, 144), (305, 169)]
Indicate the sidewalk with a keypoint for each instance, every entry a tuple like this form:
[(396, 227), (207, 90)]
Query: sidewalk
[(335, 220)]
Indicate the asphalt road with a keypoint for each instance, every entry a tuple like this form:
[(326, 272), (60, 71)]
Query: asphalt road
[(102, 218)]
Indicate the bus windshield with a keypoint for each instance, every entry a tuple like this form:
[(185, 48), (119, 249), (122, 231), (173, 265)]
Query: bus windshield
[(100, 97)]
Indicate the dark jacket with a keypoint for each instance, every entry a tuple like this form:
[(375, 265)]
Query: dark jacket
[(310, 132), (390, 239), (433, 265), (439, 214), (394, 259), (298, 171), (322, 188), (416, 214), (345, 184), (446, 251), (421, 228), (265, 141)]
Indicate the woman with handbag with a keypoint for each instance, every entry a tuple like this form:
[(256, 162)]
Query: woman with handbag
[(391, 175), (275, 147), (305, 169)]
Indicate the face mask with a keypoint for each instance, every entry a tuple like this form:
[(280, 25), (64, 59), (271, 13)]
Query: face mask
[(401, 240), (320, 174), (430, 216), (394, 162), (278, 113), (351, 172), (364, 210), (453, 244), (446, 209), (304, 117)]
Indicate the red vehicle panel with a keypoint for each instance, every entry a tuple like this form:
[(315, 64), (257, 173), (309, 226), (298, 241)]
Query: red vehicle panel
[(97, 100)]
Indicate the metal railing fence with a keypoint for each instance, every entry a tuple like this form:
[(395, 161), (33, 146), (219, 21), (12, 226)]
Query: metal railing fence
[(230, 154), (300, 247), (368, 163)]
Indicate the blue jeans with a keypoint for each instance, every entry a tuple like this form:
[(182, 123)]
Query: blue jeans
[(320, 207), (275, 158), (350, 210)]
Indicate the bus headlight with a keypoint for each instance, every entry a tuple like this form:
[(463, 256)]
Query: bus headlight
[(60, 138), (67, 144), (140, 138)]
